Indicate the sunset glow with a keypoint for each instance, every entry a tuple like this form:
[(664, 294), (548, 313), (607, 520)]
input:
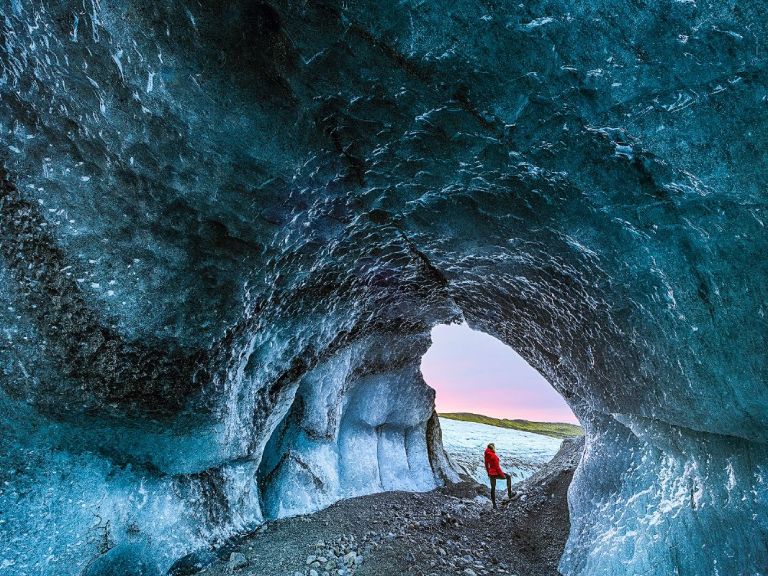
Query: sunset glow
[(474, 372)]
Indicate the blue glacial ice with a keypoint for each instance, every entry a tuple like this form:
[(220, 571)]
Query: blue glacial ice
[(227, 228)]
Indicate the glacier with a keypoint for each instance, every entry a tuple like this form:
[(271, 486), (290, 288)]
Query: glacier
[(226, 230), (520, 453)]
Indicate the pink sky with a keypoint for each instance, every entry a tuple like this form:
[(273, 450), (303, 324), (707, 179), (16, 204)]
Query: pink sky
[(473, 372)]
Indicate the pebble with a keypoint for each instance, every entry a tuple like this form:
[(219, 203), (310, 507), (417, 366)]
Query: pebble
[(237, 560)]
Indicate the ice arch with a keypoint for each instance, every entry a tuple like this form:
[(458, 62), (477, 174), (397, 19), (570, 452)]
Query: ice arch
[(227, 229)]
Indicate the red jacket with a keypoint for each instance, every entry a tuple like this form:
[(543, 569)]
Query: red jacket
[(492, 463)]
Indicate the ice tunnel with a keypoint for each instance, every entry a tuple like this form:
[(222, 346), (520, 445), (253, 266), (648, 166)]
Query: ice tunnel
[(227, 228)]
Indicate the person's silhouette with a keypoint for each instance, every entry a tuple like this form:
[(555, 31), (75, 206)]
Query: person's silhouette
[(495, 472)]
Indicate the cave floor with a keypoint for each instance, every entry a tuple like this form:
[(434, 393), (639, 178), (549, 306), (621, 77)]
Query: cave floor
[(452, 530)]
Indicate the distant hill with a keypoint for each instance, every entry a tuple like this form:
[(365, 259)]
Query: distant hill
[(554, 429)]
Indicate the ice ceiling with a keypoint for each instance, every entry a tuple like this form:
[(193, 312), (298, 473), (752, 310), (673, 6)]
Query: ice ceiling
[(227, 229)]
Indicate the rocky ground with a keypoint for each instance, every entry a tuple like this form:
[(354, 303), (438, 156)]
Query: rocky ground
[(453, 530)]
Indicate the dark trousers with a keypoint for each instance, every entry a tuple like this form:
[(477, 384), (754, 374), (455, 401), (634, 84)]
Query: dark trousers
[(506, 477)]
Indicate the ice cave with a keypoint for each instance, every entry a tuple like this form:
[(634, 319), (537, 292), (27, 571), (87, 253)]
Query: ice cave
[(227, 229)]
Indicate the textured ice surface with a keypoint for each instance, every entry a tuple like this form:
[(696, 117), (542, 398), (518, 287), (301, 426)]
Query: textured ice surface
[(520, 453), (346, 437), (228, 227)]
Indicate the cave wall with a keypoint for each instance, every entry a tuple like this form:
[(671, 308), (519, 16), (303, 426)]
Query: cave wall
[(357, 425), (226, 231)]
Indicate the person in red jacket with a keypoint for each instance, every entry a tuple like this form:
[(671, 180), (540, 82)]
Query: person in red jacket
[(495, 472)]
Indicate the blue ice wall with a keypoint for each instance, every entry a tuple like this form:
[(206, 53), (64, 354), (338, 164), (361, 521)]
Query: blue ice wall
[(226, 230)]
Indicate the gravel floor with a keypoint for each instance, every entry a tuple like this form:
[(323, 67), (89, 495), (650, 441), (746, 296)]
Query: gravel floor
[(453, 530)]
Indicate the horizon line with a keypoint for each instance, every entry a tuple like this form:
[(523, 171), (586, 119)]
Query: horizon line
[(512, 419)]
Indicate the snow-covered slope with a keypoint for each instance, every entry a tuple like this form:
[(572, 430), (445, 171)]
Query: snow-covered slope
[(520, 453)]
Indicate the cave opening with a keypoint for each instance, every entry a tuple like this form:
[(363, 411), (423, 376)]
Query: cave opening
[(486, 392)]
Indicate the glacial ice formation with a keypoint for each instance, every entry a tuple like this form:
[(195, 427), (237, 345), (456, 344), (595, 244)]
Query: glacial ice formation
[(521, 453), (227, 228)]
